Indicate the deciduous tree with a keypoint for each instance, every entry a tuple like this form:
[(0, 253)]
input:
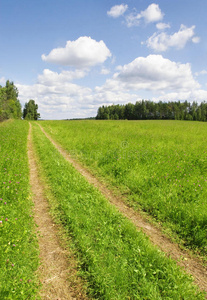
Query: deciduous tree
[(30, 111)]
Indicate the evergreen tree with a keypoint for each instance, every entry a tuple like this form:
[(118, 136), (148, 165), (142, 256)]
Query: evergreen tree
[(146, 110)]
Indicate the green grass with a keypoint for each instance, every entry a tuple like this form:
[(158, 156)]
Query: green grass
[(117, 261), (160, 165), (18, 245)]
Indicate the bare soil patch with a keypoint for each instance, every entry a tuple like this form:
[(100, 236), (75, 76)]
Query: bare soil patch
[(55, 270), (192, 265)]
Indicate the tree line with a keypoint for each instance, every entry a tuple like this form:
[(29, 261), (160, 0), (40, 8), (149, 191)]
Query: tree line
[(10, 107), (149, 110)]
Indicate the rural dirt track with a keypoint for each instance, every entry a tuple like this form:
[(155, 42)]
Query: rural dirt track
[(55, 266), (191, 265)]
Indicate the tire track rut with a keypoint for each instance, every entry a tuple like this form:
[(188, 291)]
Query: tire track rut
[(191, 265), (55, 266)]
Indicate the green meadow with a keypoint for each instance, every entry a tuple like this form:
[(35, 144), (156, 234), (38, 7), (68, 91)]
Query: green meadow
[(18, 244), (161, 166), (116, 260)]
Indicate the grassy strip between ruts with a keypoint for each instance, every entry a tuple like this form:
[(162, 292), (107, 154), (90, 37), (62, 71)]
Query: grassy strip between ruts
[(18, 243), (117, 261), (160, 165)]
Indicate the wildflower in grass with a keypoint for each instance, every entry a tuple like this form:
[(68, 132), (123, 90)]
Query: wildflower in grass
[(5, 203), (6, 219), (14, 245), (0, 222)]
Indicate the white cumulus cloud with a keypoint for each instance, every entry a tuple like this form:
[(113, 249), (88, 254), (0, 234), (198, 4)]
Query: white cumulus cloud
[(151, 14), (60, 100), (50, 78), (191, 95), (81, 53), (154, 76), (162, 41), (117, 10), (153, 73)]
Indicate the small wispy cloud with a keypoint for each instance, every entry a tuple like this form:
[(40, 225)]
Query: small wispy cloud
[(203, 72), (162, 26), (105, 71), (117, 10)]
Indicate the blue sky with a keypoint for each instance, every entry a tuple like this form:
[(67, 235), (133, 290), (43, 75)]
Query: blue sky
[(71, 56)]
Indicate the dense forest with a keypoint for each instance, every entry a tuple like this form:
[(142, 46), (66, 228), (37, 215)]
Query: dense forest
[(146, 110), (10, 107)]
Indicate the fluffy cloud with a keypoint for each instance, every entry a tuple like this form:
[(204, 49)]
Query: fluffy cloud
[(192, 95), (163, 41), (153, 73), (152, 14), (56, 95), (117, 10), (152, 77), (82, 53), (50, 78), (104, 96)]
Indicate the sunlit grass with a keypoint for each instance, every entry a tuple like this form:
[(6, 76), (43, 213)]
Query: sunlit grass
[(117, 261), (162, 165), (18, 245)]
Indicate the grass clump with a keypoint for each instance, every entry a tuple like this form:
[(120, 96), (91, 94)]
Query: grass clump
[(18, 245), (117, 261)]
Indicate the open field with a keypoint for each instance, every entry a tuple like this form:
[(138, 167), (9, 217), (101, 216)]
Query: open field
[(18, 244), (113, 258), (117, 261), (160, 165)]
